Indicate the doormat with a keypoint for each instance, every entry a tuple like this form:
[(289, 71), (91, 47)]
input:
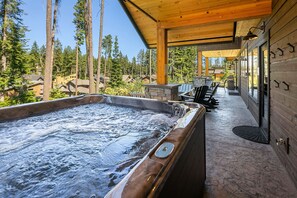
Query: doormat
[(251, 133), (233, 92)]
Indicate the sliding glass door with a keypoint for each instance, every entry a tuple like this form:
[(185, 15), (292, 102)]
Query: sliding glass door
[(264, 87)]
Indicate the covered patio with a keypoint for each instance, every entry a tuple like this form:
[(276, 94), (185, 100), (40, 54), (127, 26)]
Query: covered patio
[(236, 167), (215, 27), (266, 78), (163, 24)]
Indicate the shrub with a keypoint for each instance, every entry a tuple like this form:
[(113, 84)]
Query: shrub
[(5, 103), (125, 89), (56, 93)]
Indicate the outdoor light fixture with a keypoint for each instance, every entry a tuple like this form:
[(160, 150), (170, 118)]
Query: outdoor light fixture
[(252, 36)]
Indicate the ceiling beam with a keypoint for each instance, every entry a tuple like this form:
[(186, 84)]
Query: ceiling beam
[(190, 43), (248, 10), (196, 42), (141, 10), (220, 46)]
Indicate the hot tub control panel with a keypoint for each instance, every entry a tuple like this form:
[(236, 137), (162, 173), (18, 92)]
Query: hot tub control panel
[(164, 150)]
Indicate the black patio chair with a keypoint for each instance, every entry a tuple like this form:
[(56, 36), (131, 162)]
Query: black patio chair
[(196, 94), (209, 98), (200, 94), (199, 97)]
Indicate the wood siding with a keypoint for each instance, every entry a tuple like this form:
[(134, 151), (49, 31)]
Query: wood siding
[(283, 68), (244, 89), (253, 106)]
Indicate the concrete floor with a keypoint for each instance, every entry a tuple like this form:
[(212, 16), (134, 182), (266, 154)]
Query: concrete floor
[(237, 167)]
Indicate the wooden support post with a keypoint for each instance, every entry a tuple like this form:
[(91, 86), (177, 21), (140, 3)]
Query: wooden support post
[(199, 61), (206, 66), (161, 56)]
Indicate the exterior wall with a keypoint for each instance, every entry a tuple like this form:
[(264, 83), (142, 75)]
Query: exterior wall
[(244, 89), (38, 90), (253, 106), (282, 25), (283, 30)]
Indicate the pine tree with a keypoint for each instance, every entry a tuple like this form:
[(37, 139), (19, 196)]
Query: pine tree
[(13, 48), (124, 61), (42, 51), (116, 72), (154, 61), (107, 48), (10, 18), (68, 61), (182, 64), (133, 67), (58, 60), (79, 23), (34, 58), (18, 66), (141, 62), (84, 67)]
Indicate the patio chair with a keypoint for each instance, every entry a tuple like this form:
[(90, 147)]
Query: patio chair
[(210, 100), (194, 94), (199, 96), (184, 88)]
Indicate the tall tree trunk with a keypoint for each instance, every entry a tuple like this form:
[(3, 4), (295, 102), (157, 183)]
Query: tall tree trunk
[(89, 44), (4, 36), (53, 38), (47, 71), (100, 46), (76, 69)]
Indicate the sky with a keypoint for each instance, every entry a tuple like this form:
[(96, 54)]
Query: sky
[(116, 23)]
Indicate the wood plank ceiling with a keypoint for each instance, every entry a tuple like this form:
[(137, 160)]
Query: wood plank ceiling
[(221, 53), (241, 30), (191, 22)]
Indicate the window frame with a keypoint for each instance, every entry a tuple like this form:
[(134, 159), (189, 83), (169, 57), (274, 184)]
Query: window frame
[(252, 73)]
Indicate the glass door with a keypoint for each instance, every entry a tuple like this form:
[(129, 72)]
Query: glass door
[(264, 89)]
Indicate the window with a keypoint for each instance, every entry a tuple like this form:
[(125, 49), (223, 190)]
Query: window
[(243, 63), (253, 73), (250, 73)]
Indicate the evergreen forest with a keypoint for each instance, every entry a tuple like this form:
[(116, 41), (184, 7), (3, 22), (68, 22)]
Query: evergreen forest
[(52, 60)]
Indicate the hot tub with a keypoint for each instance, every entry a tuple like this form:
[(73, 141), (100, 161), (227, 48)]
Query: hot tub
[(174, 166)]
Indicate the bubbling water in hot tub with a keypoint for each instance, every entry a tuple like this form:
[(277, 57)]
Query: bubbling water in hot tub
[(82, 152)]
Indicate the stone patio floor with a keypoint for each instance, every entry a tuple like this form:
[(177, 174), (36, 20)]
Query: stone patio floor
[(237, 167)]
